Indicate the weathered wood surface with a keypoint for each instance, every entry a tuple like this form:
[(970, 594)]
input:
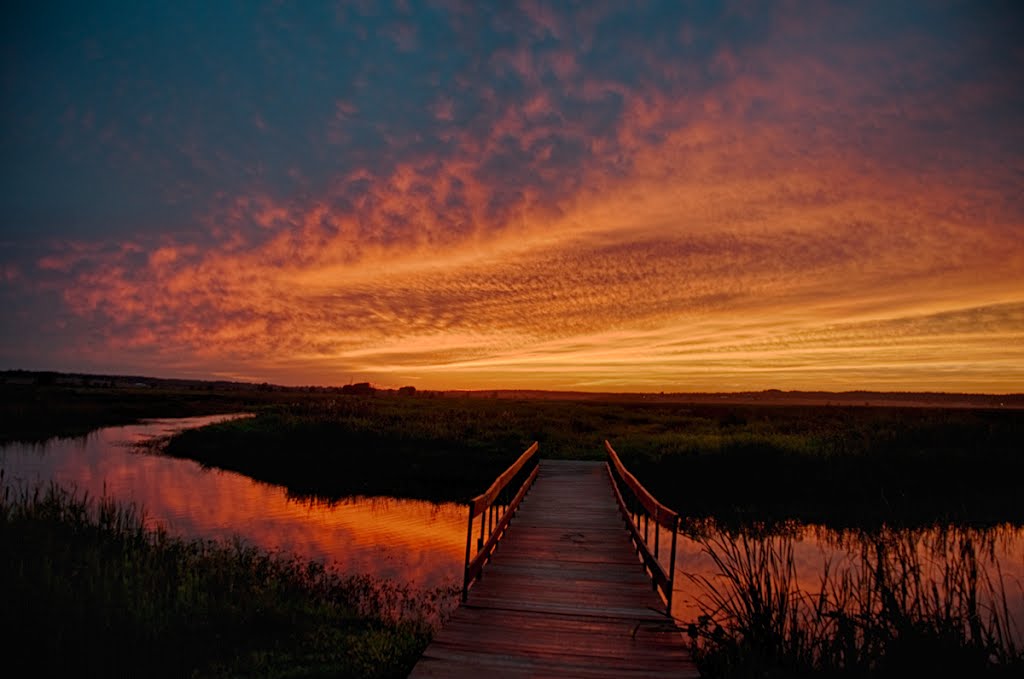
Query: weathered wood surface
[(562, 596)]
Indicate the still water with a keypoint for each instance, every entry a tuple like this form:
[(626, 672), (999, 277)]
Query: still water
[(929, 569), (419, 543), (414, 542)]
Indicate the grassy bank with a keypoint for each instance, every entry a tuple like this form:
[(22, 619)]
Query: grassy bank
[(435, 449), (31, 412), (89, 591), (839, 466), (906, 606), (833, 465)]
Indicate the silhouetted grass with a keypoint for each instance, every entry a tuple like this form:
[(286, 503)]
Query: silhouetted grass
[(391, 446), (88, 590), (841, 466), (893, 612)]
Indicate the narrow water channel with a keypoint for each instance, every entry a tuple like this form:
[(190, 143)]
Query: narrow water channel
[(411, 541)]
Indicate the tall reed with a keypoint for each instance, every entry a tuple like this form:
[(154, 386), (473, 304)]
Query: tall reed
[(88, 589), (903, 603)]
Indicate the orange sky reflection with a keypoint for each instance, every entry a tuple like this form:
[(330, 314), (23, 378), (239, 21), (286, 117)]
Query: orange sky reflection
[(409, 540)]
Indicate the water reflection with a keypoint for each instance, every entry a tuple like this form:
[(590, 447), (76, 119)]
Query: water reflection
[(933, 565), (412, 541)]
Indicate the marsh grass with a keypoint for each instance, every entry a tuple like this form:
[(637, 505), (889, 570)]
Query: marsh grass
[(904, 605), (89, 590), (434, 449), (841, 466)]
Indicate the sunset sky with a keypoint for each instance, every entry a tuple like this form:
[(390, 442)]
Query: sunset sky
[(670, 196)]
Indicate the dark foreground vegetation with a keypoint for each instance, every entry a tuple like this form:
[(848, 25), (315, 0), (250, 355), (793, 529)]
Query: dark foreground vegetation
[(87, 590), (842, 466), (908, 605)]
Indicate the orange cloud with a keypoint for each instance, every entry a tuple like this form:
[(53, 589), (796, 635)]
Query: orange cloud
[(781, 213)]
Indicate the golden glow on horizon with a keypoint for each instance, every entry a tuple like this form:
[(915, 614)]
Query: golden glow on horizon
[(601, 308)]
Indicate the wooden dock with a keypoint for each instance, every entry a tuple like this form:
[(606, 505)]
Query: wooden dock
[(564, 595)]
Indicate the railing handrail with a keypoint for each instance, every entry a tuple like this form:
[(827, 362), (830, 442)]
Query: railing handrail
[(493, 525), (484, 500), (664, 516)]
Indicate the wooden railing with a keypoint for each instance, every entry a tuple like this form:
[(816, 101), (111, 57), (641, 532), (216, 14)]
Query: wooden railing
[(495, 507), (638, 508)]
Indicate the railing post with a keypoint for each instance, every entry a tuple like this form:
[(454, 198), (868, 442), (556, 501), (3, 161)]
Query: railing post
[(657, 531), (672, 569), (465, 567)]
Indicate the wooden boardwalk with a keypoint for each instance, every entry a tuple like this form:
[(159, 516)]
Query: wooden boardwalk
[(563, 594)]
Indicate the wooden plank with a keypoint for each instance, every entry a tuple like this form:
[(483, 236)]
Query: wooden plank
[(594, 655), (564, 595), (469, 664), (475, 618)]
